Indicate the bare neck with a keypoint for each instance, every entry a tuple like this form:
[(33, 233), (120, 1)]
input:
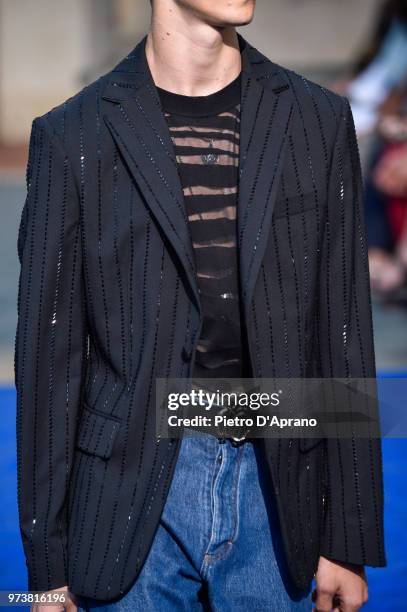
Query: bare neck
[(190, 57)]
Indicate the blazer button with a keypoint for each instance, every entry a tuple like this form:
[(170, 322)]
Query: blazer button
[(186, 354)]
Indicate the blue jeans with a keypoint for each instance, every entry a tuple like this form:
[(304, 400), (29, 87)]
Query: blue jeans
[(217, 546)]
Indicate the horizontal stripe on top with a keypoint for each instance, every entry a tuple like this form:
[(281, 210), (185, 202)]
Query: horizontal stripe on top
[(205, 136)]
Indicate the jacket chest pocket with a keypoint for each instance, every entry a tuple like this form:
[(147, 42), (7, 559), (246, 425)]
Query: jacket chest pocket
[(293, 205)]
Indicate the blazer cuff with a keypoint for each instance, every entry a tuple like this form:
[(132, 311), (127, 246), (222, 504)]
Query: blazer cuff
[(46, 566), (374, 557)]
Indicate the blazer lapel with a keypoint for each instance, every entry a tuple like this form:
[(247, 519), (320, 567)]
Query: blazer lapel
[(138, 126), (266, 111)]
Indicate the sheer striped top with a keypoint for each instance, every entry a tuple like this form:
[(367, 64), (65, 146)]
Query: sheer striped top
[(205, 136)]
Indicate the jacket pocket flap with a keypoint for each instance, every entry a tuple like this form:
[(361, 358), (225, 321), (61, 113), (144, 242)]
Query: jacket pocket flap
[(294, 205), (97, 432)]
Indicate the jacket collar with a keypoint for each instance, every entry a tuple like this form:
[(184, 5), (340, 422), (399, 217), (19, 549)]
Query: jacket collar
[(133, 71), (139, 128)]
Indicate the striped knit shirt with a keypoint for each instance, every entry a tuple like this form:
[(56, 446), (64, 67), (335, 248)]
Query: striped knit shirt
[(205, 134)]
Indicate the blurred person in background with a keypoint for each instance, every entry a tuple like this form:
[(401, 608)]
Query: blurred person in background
[(386, 200), (381, 68), (197, 211), (378, 95)]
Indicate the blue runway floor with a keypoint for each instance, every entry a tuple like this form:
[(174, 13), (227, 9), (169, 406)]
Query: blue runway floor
[(387, 586)]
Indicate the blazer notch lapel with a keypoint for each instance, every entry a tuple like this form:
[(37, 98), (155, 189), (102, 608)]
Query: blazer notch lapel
[(266, 114), (139, 128), (141, 133)]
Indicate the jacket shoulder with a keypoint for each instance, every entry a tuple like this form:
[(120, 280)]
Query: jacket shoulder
[(315, 98), (305, 87), (64, 120), (314, 102)]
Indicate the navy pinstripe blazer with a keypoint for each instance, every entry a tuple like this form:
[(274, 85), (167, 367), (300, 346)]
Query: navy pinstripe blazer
[(108, 301)]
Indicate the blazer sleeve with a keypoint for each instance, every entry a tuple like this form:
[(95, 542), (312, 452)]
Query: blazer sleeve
[(50, 345), (353, 526)]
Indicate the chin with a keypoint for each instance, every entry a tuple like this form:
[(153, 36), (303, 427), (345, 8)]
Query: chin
[(225, 13), (238, 16)]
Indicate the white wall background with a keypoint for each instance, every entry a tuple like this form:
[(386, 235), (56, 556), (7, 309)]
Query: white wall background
[(50, 48), (315, 33)]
